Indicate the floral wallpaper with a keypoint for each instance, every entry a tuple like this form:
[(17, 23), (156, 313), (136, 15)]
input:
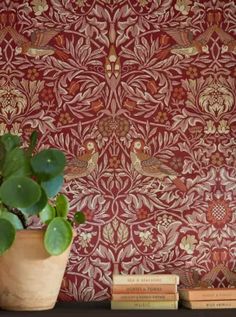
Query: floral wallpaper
[(140, 95)]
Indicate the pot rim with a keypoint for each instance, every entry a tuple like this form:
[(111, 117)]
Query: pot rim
[(37, 232)]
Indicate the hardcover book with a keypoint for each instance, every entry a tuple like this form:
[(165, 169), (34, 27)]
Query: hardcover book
[(145, 297), (145, 279), (207, 294), (219, 304), (145, 289), (141, 305)]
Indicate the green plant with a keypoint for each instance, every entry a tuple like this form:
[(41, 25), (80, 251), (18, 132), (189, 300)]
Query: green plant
[(29, 185)]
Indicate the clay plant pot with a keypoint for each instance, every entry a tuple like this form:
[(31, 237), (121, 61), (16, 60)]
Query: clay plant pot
[(30, 278)]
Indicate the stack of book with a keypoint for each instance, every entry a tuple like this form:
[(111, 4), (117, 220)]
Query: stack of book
[(208, 298), (149, 291)]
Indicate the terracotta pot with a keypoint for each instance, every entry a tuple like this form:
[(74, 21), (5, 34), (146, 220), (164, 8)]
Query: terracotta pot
[(30, 278)]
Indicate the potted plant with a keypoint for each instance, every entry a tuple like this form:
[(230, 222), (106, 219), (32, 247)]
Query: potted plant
[(32, 262)]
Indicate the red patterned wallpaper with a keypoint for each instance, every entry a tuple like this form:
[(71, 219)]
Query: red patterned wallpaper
[(140, 95)]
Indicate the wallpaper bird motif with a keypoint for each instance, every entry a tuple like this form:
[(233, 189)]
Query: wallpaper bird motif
[(140, 95)]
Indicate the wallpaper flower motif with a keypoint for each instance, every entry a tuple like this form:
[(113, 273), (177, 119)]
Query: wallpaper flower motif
[(140, 95)]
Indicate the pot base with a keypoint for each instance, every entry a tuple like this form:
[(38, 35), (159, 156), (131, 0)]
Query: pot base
[(30, 278), (27, 308)]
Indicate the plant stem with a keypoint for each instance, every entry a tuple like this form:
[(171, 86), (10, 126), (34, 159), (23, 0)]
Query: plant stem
[(20, 215)]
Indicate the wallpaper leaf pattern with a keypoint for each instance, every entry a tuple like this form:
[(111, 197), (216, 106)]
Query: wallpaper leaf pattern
[(140, 95)]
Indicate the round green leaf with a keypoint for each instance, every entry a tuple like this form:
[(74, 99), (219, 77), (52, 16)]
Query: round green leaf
[(48, 163), (38, 206), (7, 235), (62, 206), (13, 219), (2, 155), (10, 141), (58, 236), (19, 192), (79, 217), (16, 164), (52, 186), (47, 214)]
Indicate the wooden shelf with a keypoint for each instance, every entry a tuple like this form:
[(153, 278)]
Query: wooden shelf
[(97, 309)]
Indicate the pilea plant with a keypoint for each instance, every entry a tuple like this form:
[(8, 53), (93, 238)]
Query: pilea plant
[(29, 185)]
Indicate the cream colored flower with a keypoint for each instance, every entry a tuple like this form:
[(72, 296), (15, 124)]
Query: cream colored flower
[(3, 128), (164, 221), (188, 244), (146, 238), (143, 3), (84, 239), (39, 6), (16, 129), (216, 99), (223, 127), (80, 3), (183, 6), (210, 127), (12, 101)]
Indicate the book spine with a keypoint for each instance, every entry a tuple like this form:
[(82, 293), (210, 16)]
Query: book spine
[(144, 289), (208, 295), (145, 297), (144, 305), (145, 279), (220, 304)]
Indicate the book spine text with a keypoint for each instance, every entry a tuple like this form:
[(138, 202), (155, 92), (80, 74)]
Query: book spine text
[(208, 295), (145, 279), (210, 304), (144, 289), (145, 297), (144, 305)]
